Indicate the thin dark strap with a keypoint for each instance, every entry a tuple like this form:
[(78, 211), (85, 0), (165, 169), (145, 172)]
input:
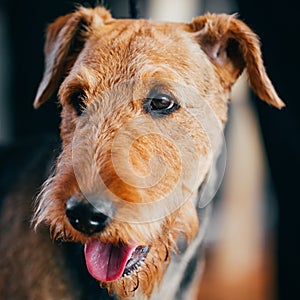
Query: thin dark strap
[(133, 11)]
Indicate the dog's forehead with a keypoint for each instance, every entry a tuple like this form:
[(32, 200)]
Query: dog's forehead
[(159, 41), (127, 49), (129, 30)]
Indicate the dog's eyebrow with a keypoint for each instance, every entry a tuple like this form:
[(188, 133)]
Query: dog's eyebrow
[(85, 79), (66, 93)]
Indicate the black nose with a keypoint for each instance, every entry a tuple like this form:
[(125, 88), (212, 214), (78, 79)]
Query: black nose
[(84, 217)]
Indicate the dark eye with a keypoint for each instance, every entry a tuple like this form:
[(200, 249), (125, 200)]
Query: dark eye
[(159, 104), (78, 102)]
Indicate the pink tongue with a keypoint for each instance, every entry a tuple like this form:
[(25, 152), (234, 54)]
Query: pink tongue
[(106, 262)]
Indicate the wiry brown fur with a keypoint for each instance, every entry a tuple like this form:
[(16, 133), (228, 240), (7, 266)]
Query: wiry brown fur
[(115, 63)]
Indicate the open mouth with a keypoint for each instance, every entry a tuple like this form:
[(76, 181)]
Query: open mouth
[(107, 262)]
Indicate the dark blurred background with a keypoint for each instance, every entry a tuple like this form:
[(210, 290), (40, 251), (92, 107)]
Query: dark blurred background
[(22, 35)]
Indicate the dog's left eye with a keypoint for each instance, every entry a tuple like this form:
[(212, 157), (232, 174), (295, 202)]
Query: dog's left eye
[(159, 104), (78, 102)]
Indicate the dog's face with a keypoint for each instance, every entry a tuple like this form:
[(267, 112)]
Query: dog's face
[(137, 99)]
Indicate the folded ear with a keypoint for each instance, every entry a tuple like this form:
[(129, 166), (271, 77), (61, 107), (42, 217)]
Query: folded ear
[(232, 46), (65, 39)]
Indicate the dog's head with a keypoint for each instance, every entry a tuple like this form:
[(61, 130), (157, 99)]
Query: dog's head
[(139, 100)]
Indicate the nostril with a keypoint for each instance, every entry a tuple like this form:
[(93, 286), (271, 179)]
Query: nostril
[(97, 220), (84, 217), (72, 215)]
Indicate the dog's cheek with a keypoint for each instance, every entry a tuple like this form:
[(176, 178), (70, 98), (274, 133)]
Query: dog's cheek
[(68, 125)]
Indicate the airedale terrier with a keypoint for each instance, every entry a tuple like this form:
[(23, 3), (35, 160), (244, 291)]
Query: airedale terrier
[(143, 108)]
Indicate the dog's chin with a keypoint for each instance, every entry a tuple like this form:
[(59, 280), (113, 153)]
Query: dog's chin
[(107, 262)]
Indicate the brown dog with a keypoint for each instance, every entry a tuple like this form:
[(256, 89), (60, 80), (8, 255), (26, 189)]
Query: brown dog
[(143, 108)]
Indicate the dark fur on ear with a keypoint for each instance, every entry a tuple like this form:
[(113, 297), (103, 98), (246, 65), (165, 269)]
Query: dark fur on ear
[(232, 46), (64, 41)]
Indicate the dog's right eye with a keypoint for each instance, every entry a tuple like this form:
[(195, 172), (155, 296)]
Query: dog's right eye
[(78, 102)]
